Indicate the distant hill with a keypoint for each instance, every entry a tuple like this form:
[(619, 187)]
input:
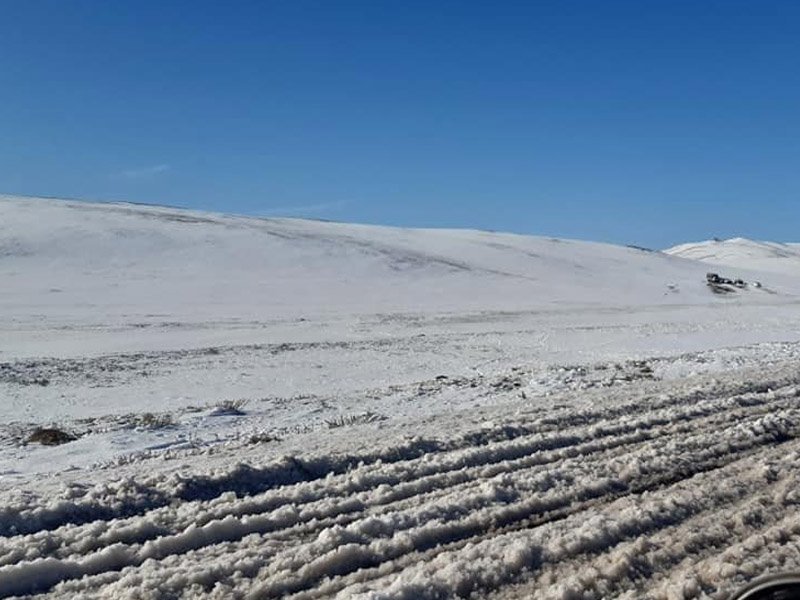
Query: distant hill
[(87, 259), (741, 253)]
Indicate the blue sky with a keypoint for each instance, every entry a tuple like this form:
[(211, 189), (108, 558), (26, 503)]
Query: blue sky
[(633, 122)]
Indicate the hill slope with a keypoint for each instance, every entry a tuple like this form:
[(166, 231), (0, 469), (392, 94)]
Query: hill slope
[(89, 259), (742, 253)]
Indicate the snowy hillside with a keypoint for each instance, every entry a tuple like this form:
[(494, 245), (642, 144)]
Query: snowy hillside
[(88, 260), (741, 253)]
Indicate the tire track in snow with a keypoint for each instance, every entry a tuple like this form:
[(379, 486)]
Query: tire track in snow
[(125, 583), (414, 479), (491, 520), (639, 566), (378, 520), (634, 516), (133, 498)]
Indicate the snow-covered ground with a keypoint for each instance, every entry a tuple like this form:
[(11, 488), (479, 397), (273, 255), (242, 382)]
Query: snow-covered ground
[(277, 407)]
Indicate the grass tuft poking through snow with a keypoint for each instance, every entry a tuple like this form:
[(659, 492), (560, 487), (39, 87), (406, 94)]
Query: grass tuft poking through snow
[(229, 408), (355, 419)]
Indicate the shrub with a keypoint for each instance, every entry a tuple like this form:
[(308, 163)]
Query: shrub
[(50, 437)]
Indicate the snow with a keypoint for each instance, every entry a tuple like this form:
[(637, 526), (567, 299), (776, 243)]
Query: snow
[(627, 486), (741, 253), (278, 407), (142, 266)]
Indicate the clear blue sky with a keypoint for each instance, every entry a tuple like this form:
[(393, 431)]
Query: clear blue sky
[(647, 122)]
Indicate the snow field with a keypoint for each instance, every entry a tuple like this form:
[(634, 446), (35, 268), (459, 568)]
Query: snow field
[(427, 413)]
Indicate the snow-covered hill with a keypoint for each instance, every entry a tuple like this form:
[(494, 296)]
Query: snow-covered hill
[(123, 260), (741, 253)]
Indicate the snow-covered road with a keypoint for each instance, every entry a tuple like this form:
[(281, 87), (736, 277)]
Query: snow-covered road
[(678, 489)]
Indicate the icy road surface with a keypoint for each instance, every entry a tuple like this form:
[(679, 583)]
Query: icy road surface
[(653, 489)]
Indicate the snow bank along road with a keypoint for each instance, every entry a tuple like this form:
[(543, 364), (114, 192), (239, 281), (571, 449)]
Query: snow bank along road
[(657, 489)]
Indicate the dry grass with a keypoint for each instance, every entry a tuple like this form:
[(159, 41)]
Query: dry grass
[(230, 408), (262, 438), (357, 419), (153, 421)]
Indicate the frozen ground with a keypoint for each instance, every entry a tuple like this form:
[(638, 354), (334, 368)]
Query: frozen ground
[(283, 408)]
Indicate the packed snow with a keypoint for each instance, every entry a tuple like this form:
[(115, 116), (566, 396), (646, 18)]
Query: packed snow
[(264, 408)]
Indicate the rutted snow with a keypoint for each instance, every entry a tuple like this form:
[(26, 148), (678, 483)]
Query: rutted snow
[(594, 499), (424, 414)]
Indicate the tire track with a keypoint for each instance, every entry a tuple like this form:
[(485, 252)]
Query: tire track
[(133, 498), (377, 526), (468, 466)]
